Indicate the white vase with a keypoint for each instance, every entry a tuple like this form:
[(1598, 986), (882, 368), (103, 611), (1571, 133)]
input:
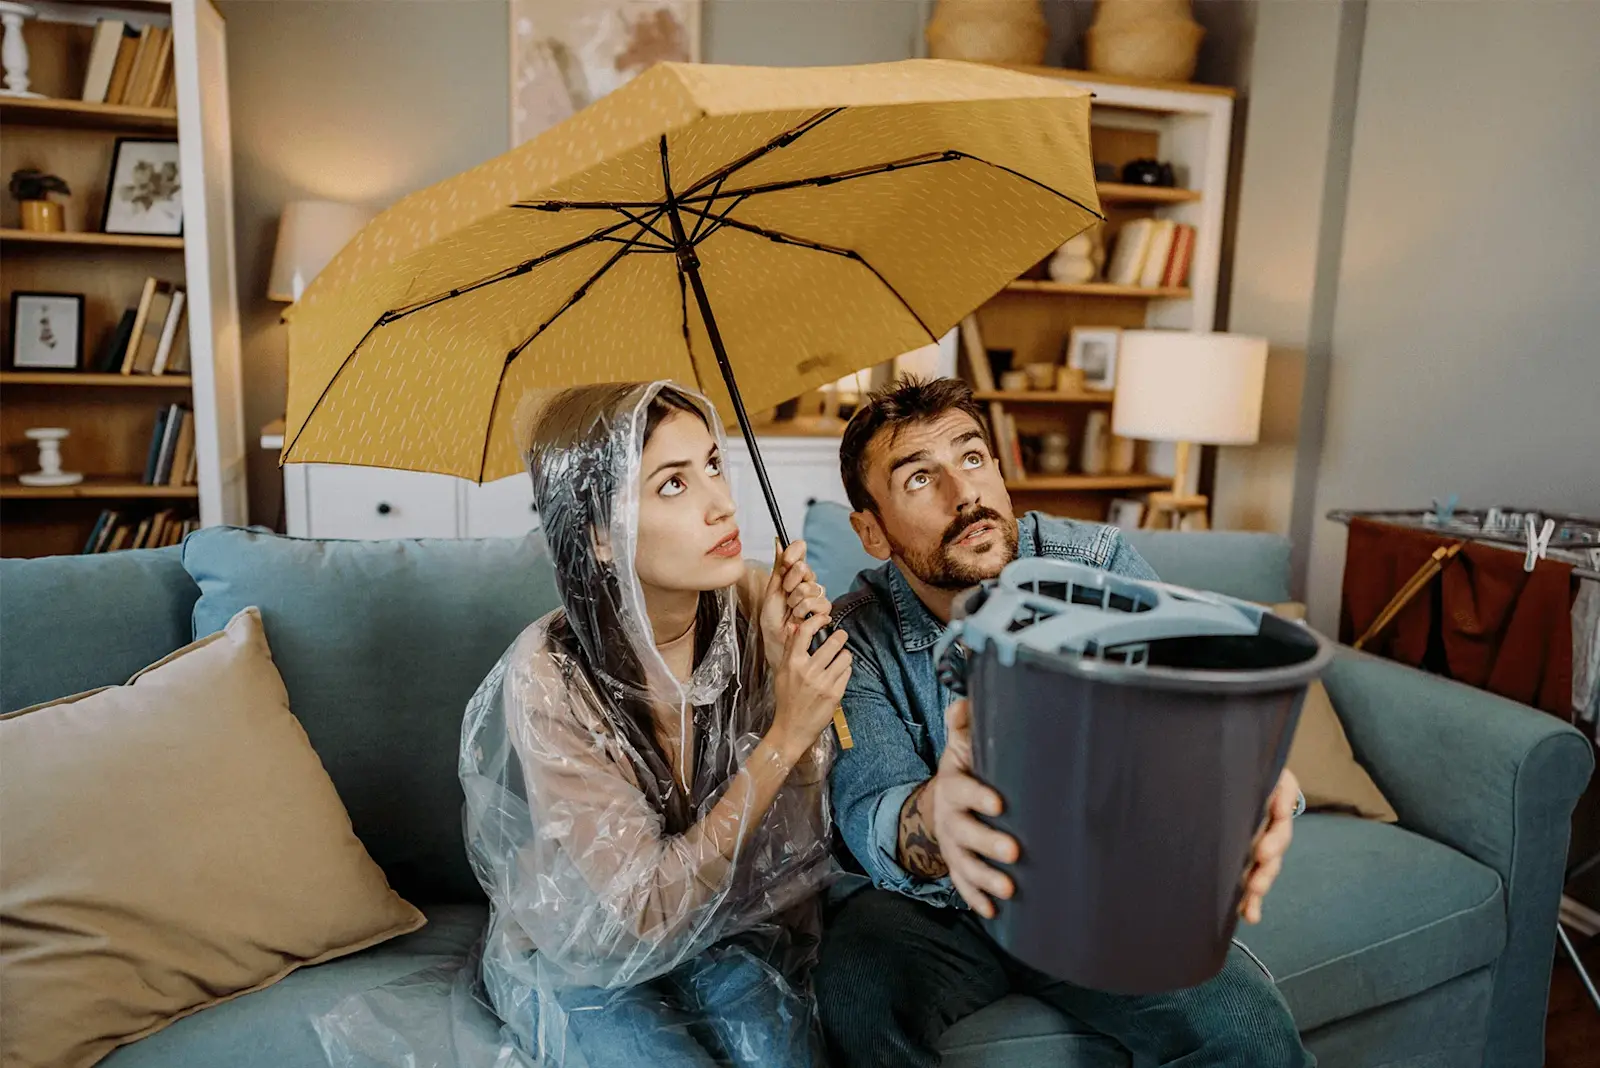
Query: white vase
[(49, 439), (14, 49)]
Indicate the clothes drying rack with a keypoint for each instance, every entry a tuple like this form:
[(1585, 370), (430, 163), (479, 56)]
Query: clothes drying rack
[(1573, 539)]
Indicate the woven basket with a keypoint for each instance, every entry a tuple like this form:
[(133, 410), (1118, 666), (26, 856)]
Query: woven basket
[(989, 31), (1154, 39)]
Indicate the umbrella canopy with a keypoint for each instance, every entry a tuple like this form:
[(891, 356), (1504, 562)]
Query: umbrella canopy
[(802, 222)]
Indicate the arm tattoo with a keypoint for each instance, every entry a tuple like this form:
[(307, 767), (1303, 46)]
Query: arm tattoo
[(919, 851)]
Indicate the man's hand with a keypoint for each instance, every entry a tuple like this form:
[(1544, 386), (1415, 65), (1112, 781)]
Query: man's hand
[(1271, 843), (950, 802)]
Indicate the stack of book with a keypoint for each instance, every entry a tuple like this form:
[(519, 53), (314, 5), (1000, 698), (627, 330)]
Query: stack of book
[(1152, 254), (130, 65), (113, 531), (152, 337), (171, 457)]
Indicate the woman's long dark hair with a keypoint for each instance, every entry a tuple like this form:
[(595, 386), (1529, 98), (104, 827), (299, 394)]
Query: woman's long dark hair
[(574, 469)]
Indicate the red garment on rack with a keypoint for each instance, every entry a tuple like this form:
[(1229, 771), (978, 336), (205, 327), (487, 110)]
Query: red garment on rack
[(1494, 625)]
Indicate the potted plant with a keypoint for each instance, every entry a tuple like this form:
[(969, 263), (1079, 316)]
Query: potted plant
[(32, 191)]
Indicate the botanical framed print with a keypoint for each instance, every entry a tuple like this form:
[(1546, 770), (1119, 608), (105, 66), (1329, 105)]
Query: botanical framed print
[(145, 194)]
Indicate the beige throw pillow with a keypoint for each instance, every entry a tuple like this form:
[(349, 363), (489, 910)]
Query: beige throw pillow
[(1321, 758), (167, 845)]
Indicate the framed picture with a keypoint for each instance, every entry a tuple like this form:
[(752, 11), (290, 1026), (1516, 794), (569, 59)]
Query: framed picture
[(1126, 513), (144, 195), (1093, 350), (46, 332)]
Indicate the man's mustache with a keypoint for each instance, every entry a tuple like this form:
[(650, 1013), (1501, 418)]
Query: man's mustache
[(967, 519)]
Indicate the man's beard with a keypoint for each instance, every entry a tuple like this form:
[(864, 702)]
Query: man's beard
[(940, 569)]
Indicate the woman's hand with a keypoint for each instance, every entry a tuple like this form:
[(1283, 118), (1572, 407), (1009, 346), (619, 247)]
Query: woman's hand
[(792, 594), (1272, 842), (808, 686)]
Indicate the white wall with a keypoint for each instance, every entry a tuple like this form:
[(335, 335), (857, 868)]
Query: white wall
[(1466, 335)]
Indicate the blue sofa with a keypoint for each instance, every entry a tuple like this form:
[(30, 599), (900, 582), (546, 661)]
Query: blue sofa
[(1424, 944)]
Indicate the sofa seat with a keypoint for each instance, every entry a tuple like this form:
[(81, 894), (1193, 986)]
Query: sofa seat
[(1365, 914), (272, 1028)]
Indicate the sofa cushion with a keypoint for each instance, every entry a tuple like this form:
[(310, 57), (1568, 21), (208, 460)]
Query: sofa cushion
[(1021, 1032), (1365, 914), (272, 1028), (1252, 566), (74, 623), (381, 643), (169, 844)]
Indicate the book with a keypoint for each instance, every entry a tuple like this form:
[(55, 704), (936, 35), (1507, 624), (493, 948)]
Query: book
[(153, 454), (102, 59), (160, 69), (108, 358), (977, 359), (147, 339), (127, 50), (133, 92), (176, 416), (94, 531), (169, 99), (1155, 259), (141, 312), (169, 331), (192, 472), (119, 540), (1127, 262), (182, 452), (1182, 258), (140, 534)]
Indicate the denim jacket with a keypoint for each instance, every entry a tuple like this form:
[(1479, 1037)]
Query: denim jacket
[(895, 703)]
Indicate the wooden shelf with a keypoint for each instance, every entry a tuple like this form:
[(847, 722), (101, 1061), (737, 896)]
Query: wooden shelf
[(80, 115), (1121, 193), (1063, 483), (1045, 397), (89, 239), (82, 378), (1096, 289), (96, 487)]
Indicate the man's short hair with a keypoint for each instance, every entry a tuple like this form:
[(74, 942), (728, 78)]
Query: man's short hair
[(894, 407)]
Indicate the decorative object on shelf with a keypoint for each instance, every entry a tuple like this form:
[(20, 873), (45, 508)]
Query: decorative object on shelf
[(1000, 360), (49, 439), (1125, 512), (1041, 376), (1096, 443), (1014, 381), (46, 332), (1093, 350), (989, 31), (1105, 172), (14, 49), (32, 189), (1055, 450), (144, 195), (1079, 260), (1188, 388), (1150, 172), (1069, 379), (1154, 39), (310, 233), (1122, 455)]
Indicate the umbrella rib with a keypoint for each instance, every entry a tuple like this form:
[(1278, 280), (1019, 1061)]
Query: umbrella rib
[(783, 140), (817, 246), (694, 235), (908, 162), (329, 387), (577, 295)]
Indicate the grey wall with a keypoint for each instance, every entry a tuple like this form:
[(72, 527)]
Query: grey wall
[(360, 101), (1466, 337), (801, 33)]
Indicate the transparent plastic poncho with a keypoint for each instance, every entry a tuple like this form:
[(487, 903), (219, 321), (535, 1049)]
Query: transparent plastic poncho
[(639, 912)]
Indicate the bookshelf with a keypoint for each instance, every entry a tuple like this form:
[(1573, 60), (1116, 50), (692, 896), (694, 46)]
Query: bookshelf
[(1033, 317), (112, 417)]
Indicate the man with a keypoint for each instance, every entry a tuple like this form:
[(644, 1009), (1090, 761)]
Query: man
[(903, 960)]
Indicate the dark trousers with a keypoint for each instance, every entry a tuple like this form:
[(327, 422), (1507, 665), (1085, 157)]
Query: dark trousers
[(895, 973)]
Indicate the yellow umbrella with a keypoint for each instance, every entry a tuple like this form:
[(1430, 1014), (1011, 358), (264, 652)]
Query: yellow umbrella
[(832, 218)]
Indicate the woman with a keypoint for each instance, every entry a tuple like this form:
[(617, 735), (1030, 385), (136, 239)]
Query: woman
[(645, 768)]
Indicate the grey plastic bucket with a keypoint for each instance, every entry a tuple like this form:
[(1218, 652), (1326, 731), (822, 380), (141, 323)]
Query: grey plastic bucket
[(1135, 772)]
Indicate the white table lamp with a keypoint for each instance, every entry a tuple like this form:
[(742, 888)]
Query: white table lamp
[(310, 233), (1189, 389)]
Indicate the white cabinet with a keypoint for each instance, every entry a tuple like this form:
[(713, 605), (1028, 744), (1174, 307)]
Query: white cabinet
[(335, 501)]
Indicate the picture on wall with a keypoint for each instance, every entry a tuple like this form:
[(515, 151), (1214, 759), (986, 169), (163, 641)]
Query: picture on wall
[(46, 331), (145, 195), (1093, 350), (566, 54)]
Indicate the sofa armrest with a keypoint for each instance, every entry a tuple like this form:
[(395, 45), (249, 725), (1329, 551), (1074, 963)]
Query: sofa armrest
[(1491, 778)]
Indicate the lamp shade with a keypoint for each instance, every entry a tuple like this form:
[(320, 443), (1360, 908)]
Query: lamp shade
[(310, 233), (1174, 385)]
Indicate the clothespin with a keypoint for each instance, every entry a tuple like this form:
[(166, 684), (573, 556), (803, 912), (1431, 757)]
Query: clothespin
[(1537, 544), (1442, 513)]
